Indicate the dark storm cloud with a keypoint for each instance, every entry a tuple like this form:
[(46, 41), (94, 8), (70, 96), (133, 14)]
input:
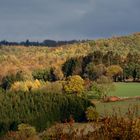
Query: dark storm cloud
[(67, 19)]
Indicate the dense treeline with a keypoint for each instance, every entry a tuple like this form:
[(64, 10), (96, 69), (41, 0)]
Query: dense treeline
[(39, 109), (49, 43), (111, 64)]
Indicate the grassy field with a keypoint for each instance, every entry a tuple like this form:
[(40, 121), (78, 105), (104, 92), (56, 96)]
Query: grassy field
[(122, 90), (121, 107), (126, 90)]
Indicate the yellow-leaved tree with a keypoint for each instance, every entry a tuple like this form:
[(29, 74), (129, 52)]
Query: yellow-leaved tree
[(26, 85), (19, 86), (74, 85), (114, 71)]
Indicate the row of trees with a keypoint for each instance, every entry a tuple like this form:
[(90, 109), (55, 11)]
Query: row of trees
[(49, 43), (98, 63), (71, 85)]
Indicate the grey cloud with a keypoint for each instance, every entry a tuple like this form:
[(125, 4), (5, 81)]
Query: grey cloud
[(67, 19)]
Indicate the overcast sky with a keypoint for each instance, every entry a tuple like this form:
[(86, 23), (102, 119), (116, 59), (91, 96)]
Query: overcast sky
[(67, 19)]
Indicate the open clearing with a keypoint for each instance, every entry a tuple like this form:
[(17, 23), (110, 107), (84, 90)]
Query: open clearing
[(122, 90), (120, 107), (126, 90)]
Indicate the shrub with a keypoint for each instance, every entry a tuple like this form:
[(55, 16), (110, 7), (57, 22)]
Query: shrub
[(95, 91), (44, 74), (74, 85), (26, 130), (91, 114)]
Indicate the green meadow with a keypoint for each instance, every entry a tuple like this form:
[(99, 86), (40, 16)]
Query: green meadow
[(126, 90), (121, 107)]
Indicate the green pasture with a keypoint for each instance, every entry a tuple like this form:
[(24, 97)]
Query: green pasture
[(126, 90), (122, 89), (120, 107)]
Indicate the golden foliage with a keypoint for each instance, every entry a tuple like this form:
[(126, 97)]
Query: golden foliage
[(114, 70), (74, 84), (19, 86), (26, 85)]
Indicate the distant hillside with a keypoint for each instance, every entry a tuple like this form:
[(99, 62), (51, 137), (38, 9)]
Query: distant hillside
[(16, 58)]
